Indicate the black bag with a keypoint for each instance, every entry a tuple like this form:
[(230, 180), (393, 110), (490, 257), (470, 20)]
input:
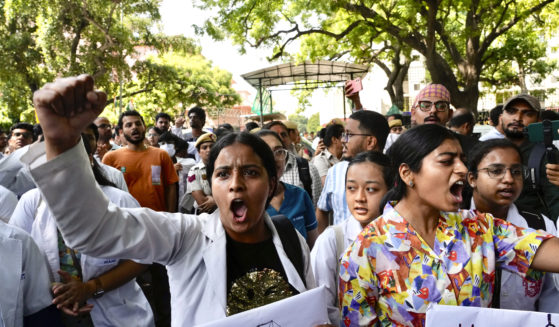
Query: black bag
[(290, 242)]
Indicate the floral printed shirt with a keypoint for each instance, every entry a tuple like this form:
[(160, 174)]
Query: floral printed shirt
[(390, 274)]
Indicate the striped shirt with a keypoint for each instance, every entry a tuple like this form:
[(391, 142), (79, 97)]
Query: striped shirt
[(333, 193), (291, 176)]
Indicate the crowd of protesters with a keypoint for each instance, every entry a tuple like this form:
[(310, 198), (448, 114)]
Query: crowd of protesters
[(175, 225)]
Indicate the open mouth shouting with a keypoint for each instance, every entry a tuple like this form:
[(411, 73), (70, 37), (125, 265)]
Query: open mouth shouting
[(456, 190), (239, 210)]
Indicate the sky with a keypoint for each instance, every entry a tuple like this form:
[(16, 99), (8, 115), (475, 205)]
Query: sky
[(178, 17)]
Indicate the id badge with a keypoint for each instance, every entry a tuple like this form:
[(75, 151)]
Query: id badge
[(156, 175)]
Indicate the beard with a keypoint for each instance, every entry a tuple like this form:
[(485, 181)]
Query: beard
[(514, 134), (511, 133), (133, 141)]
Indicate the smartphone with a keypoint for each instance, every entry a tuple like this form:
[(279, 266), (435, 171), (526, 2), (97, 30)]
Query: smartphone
[(356, 86), (535, 131)]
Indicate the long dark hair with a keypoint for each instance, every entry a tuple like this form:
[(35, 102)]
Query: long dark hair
[(410, 149), (97, 170), (260, 148)]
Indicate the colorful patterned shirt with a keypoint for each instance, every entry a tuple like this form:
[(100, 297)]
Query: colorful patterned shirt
[(390, 274)]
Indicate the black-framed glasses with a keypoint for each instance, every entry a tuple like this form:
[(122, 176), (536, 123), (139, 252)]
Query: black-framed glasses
[(104, 126), (280, 154), (346, 136), (499, 171), (439, 105)]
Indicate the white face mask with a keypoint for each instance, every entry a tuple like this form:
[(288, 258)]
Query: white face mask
[(170, 148)]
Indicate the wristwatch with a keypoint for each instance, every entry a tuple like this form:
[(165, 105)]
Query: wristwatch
[(99, 291)]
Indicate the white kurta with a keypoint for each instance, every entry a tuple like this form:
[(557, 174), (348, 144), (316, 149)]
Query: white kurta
[(192, 247), (24, 278), (325, 262), (115, 308)]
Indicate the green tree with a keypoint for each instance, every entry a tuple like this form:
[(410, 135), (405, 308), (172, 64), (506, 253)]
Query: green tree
[(313, 124), (116, 42), (300, 120), (177, 80), (458, 38)]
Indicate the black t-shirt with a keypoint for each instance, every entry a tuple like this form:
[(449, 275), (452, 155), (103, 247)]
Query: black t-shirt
[(255, 276)]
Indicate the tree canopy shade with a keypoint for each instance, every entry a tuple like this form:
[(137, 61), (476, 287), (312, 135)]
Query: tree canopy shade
[(115, 41), (461, 40)]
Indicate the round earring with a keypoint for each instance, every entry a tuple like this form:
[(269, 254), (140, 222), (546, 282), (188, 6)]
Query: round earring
[(412, 184)]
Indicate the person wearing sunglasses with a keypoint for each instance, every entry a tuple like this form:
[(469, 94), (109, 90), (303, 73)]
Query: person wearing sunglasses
[(432, 106), (290, 200), (496, 177), (21, 134)]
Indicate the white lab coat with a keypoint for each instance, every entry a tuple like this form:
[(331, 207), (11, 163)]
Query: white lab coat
[(324, 262), (192, 247), (115, 308), (520, 294), (24, 279), (8, 202)]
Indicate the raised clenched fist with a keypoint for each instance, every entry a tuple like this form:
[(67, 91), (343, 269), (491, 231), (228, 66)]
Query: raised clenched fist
[(64, 108)]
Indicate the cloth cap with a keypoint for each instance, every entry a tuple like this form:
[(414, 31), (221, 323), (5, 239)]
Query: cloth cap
[(207, 137), (532, 101), (290, 124), (394, 122), (432, 91)]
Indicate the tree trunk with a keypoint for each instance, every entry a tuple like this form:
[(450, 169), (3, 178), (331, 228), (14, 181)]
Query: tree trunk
[(522, 79), (441, 73)]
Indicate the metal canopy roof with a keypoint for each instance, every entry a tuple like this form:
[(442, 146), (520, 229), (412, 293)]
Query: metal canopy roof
[(289, 73)]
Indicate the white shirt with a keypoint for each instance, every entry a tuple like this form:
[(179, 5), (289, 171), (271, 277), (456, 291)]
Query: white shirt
[(492, 134), (115, 308), (325, 263), (192, 247)]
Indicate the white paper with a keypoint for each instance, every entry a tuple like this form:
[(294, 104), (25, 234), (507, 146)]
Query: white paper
[(457, 316), (307, 309)]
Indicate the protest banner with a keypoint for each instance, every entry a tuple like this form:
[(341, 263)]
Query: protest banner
[(456, 316), (307, 309)]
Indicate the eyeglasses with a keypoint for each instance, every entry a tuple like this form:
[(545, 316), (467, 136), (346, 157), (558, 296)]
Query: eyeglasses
[(152, 135), (499, 171), (280, 154), (439, 105), (346, 136), (25, 134), (104, 126)]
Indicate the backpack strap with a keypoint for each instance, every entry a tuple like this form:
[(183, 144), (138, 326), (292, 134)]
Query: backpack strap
[(534, 165), (339, 232), (305, 174), (290, 242), (534, 220)]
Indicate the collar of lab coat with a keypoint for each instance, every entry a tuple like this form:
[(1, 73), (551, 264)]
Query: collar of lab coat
[(215, 256)]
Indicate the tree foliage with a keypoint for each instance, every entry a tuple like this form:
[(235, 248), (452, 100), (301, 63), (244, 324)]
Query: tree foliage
[(313, 124), (45, 39), (300, 120), (461, 40)]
